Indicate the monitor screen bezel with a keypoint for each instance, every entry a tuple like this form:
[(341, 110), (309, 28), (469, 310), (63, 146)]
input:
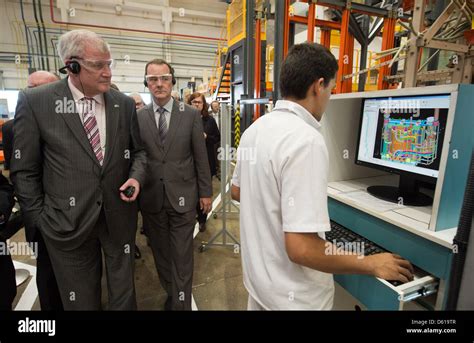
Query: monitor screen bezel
[(421, 177)]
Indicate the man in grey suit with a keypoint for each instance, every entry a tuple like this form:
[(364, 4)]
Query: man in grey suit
[(178, 176), (77, 151)]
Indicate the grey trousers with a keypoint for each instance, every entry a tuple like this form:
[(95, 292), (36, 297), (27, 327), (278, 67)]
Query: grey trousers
[(171, 240), (79, 272)]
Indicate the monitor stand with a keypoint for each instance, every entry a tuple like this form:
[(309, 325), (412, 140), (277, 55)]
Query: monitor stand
[(407, 193)]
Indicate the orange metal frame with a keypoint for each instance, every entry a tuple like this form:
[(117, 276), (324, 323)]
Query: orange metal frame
[(326, 38), (286, 30), (347, 40), (317, 22), (346, 48), (311, 19), (388, 40), (346, 52)]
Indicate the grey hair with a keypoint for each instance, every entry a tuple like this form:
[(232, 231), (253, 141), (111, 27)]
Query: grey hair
[(135, 94), (74, 42)]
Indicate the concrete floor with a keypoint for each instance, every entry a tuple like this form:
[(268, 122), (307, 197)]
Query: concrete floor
[(217, 283)]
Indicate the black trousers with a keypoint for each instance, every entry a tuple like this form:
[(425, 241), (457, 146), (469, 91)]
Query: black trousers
[(48, 291), (7, 280), (201, 216), (171, 241)]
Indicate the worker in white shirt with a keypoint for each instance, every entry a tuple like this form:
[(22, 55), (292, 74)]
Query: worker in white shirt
[(281, 183)]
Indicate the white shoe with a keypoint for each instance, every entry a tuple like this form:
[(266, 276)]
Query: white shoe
[(21, 275)]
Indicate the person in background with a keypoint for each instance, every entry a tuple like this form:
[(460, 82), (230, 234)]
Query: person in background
[(40, 77), (139, 103), (175, 95), (186, 98), (7, 271), (177, 178), (215, 112), (48, 292), (287, 263), (212, 136)]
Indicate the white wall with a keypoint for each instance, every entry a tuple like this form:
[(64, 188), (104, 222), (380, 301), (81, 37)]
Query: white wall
[(191, 57)]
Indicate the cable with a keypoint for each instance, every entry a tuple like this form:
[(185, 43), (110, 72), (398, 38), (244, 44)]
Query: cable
[(39, 30), (44, 34), (26, 33)]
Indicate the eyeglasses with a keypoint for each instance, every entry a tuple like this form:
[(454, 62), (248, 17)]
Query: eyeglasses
[(96, 64), (156, 78)]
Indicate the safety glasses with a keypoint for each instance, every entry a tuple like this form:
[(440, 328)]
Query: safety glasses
[(156, 78), (96, 65)]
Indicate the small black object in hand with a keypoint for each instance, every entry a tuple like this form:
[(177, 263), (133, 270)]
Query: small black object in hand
[(128, 192)]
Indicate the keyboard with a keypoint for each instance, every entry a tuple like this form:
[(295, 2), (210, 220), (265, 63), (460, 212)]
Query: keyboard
[(341, 234)]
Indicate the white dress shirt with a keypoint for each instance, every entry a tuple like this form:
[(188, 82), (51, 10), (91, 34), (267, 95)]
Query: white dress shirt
[(99, 111), (168, 107), (282, 169), (216, 116)]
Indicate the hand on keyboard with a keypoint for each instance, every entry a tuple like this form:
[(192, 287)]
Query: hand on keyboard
[(391, 267)]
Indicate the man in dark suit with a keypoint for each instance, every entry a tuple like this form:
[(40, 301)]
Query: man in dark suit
[(177, 176), (7, 271), (77, 155), (7, 142), (48, 292)]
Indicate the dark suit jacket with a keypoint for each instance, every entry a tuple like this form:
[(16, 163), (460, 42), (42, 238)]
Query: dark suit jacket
[(58, 181), (6, 205), (179, 168), (7, 142), (213, 138)]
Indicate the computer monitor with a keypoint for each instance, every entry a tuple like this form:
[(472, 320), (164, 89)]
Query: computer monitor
[(403, 135)]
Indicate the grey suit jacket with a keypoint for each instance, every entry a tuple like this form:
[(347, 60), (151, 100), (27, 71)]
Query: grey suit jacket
[(180, 168), (58, 180)]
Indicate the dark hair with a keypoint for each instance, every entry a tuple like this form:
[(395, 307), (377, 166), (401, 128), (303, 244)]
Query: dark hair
[(205, 106), (304, 64), (160, 61)]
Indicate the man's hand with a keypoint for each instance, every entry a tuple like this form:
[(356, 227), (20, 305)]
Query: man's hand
[(128, 183), (390, 267), (205, 204)]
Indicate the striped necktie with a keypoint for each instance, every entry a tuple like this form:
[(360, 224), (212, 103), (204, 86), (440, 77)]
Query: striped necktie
[(92, 129), (162, 124)]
